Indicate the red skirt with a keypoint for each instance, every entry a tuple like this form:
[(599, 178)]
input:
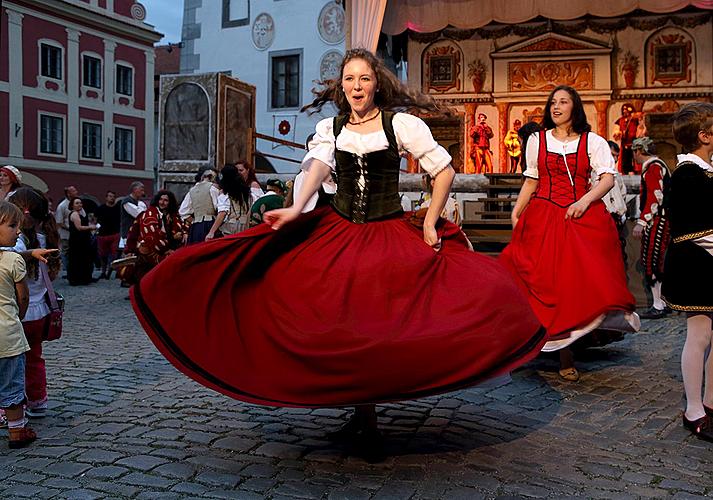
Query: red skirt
[(572, 270), (325, 312)]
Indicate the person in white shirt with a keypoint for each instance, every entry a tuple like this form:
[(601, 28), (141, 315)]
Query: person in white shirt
[(200, 206)]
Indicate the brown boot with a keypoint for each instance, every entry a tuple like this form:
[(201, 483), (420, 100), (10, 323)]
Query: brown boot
[(19, 438)]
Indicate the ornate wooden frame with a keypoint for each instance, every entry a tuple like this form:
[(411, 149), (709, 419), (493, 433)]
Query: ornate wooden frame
[(442, 66)]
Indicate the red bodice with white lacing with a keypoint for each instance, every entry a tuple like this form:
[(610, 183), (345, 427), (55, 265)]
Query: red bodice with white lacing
[(556, 184)]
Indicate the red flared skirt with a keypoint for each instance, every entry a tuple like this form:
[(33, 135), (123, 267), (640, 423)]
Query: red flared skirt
[(325, 312), (572, 270)]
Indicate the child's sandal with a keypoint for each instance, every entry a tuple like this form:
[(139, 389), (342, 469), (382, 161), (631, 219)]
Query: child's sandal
[(19, 438)]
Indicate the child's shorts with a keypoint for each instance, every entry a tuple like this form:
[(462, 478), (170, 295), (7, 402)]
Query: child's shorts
[(12, 381)]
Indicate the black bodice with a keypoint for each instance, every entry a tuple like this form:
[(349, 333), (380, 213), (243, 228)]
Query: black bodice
[(368, 185)]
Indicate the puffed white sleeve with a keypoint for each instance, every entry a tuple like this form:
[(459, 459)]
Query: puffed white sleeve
[(414, 136), (600, 157), (532, 151), (223, 203), (321, 147)]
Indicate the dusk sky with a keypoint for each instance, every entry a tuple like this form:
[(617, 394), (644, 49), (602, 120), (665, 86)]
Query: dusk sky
[(167, 17)]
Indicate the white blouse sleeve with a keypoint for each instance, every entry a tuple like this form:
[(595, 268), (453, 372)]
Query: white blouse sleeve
[(532, 151), (600, 157), (321, 147), (223, 204), (414, 136)]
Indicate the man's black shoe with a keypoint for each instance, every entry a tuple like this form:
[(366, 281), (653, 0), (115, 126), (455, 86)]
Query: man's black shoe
[(653, 313)]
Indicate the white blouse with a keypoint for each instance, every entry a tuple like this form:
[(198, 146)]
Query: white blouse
[(412, 136), (600, 157)]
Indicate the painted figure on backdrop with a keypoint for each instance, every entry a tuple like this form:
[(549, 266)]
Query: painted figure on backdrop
[(628, 125), (481, 133), (512, 146)]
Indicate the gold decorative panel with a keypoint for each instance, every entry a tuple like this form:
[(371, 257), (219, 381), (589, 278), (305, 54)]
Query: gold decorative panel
[(546, 75)]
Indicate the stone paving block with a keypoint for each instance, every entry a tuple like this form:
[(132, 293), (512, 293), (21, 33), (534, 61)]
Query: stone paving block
[(107, 472), (98, 456), (23, 491), (258, 484), (66, 469), (218, 479), (235, 444), (464, 494), (178, 470), (280, 450), (141, 479), (299, 489), (142, 462), (191, 489), (28, 477), (394, 490), (234, 495), (81, 494), (349, 493), (50, 451)]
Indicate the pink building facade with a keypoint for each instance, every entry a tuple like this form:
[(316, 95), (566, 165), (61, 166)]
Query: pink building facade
[(76, 93)]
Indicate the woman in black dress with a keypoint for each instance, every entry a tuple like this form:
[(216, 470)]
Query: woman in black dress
[(80, 262)]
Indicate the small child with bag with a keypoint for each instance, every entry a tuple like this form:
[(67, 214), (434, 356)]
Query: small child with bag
[(14, 298), (43, 320)]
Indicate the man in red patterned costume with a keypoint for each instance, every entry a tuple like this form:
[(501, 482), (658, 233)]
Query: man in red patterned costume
[(481, 134), (627, 124), (652, 227)]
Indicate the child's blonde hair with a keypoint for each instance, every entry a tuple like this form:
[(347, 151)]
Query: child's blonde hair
[(9, 213)]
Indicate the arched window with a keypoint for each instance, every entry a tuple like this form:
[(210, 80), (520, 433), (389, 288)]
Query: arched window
[(185, 120)]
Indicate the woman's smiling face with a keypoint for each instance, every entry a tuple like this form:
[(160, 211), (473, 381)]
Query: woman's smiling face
[(561, 107)]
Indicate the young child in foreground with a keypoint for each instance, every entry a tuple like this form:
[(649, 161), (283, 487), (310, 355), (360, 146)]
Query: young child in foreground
[(689, 260), (14, 298)]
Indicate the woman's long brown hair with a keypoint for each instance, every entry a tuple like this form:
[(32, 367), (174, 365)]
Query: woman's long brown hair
[(35, 208), (391, 94)]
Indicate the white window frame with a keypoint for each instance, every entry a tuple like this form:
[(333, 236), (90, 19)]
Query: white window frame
[(41, 79), (82, 121), (40, 114), (93, 55), (116, 79), (133, 144)]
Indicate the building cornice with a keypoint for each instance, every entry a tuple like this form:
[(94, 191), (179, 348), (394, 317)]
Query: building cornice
[(85, 14)]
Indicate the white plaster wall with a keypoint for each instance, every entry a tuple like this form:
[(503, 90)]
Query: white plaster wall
[(232, 49)]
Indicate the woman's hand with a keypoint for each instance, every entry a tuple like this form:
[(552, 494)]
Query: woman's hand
[(278, 218), (41, 254), (209, 236), (430, 236), (514, 219), (638, 231), (577, 209)]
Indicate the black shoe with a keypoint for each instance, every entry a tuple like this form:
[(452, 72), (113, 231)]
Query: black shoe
[(653, 313), (102, 276), (371, 446), (701, 427), (348, 431)]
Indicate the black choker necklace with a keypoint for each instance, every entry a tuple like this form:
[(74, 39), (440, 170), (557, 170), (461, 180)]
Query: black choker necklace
[(364, 121)]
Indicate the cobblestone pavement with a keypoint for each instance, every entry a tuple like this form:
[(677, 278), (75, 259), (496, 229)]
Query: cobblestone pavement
[(124, 423)]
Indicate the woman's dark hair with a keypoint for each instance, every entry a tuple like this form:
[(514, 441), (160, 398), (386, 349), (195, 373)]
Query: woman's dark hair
[(233, 184), (35, 207), (172, 203), (614, 147), (252, 177), (72, 200), (579, 118), (391, 94), (524, 133)]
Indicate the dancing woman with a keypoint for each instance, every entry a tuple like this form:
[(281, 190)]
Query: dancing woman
[(358, 303), (565, 250)]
